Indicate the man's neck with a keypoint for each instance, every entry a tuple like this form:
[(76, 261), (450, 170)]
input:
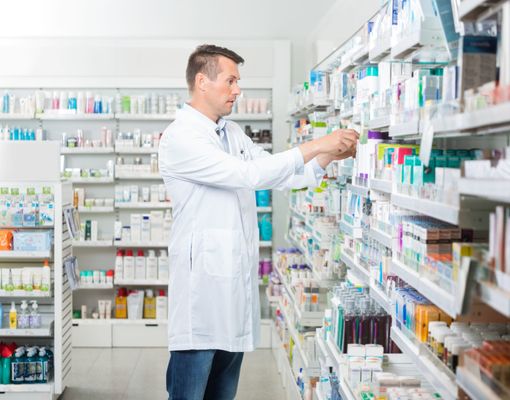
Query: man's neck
[(204, 110)]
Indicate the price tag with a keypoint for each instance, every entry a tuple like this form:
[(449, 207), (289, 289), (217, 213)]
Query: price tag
[(427, 139)]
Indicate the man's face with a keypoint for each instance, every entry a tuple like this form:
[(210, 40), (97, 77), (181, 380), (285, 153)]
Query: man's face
[(222, 92)]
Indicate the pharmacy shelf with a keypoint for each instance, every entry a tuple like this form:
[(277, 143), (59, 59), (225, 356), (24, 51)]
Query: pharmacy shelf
[(127, 243), (140, 282), (265, 244), (16, 117), (474, 387), (272, 299), (359, 272), (479, 121), (381, 123), (145, 117), (335, 355), (322, 346), (411, 128), (24, 255), (347, 114), (250, 117), (113, 321), (311, 369), (381, 50), (431, 369), (266, 146), (22, 333), (381, 185), (264, 209), (27, 389), (91, 181), (73, 117), (441, 211), (96, 210), (440, 297), (406, 46), (497, 189), (361, 56), (318, 394), (138, 176), (380, 297), (135, 150), (86, 150), (310, 108), (359, 190), (143, 206), (473, 9), (348, 229), (345, 390), (92, 243), (36, 294), (495, 297), (95, 286), (381, 237)]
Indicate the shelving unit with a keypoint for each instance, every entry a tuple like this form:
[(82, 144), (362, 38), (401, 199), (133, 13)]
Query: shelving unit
[(95, 210), (92, 243), (56, 330), (87, 150)]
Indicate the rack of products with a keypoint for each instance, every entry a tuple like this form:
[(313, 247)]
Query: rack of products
[(410, 238), (109, 144), (36, 300)]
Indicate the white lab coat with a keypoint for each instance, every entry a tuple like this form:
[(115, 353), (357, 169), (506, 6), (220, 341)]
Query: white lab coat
[(214, 243)]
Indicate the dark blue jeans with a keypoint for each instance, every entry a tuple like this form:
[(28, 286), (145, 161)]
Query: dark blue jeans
[(203, 375)]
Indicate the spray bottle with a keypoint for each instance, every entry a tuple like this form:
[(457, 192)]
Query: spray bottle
[(30, 365), (18, 366), (23, 317), (35, 317)]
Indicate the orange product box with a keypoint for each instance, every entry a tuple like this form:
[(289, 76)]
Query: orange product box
[(6, 236)]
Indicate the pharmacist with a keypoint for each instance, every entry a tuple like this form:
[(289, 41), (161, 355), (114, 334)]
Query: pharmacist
[(211, 170)]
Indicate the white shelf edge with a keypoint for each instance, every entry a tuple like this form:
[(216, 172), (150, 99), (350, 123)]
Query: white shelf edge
[(264, 209), (134, 206), (96, 181), (443, 212), (250, 117), (92, 243), (114, 321), (27, 388), (381, 185), (350, 230), (105, 209), (474, 387), (144, 117), (381, 237), (135, 150), (87, 150), (440, 297), (495, 297), (359, 190), (41, 332), (497, 189), (23, 255), (95, 286), (121, 243), (16, 117), (37, 294), (74, 117), (139, 282), (361, 273), (438, 379), (148, 176), (265, 244)]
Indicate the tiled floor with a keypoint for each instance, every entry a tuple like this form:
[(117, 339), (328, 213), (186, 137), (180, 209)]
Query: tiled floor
[(129, 374)]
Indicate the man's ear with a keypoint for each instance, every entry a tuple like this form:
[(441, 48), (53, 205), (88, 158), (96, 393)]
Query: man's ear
[(200, 81)]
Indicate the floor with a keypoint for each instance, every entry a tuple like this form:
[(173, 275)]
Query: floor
[(130, 374)]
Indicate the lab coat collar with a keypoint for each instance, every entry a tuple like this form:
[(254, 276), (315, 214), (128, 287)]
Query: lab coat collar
[(193, 112)]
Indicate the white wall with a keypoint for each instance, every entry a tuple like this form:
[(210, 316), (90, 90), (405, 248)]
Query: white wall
[(205, 20)]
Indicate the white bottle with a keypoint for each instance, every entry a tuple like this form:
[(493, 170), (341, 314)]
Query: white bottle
[(167, 225), (129, 265), (140, 268), (46, 277), (161, 306), (119, 265), (152, 265), (146, 228), (163, 267)]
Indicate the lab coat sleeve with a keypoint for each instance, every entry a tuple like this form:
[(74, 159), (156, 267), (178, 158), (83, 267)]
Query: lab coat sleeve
[(197, 159), (309, 176)]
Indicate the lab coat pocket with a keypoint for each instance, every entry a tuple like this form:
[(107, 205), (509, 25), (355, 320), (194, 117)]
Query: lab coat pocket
[(220, 252)]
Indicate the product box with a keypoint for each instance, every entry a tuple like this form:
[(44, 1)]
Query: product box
[(6, 236), (32, 240)]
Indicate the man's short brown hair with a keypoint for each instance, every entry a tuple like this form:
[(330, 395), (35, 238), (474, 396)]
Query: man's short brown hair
[(205, 60)]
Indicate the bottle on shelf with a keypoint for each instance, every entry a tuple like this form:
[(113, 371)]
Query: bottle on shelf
[(152, 266), (23, 316), (140, 267), (13, 317), (121, 304), (163, 267), (149, 305), (35, 317), (161, 305), (129, 265), (119, 265), (46, 277)]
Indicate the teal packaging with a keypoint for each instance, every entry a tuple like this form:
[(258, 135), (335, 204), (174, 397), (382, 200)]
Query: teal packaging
[(266, 227), (18, 366), (453, 162), (263, 198), (6, 369), (31, 365)]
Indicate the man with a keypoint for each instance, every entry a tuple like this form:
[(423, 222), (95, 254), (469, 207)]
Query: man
[(211, 170)]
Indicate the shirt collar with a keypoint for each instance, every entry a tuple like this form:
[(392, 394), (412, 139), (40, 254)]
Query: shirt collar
[(209, 122)]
